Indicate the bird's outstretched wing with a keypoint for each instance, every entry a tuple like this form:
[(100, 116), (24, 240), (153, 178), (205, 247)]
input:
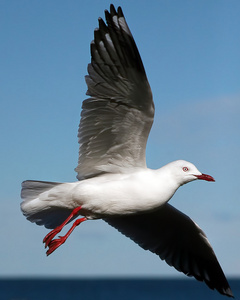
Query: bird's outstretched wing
[(116, 120), (178, 240)]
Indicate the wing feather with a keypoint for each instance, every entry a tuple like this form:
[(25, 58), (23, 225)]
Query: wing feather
[(175, 238), (116, 119)]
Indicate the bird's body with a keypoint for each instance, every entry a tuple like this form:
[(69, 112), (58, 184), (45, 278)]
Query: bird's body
[(142, 190), (114, 181)]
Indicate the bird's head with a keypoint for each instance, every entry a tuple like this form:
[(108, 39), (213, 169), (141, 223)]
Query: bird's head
[(185, 171)]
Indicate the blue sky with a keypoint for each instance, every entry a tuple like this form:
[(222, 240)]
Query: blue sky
[(190, 50)]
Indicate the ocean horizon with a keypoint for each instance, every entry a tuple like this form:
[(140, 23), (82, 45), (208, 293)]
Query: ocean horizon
[(110, 288)]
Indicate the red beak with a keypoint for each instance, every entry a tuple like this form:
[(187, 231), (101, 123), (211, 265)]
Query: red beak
[(205, 177)]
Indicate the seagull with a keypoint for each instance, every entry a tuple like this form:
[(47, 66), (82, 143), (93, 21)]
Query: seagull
[(114, 183)]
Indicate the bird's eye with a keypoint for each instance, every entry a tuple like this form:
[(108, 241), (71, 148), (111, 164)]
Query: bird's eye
[(185, 169)]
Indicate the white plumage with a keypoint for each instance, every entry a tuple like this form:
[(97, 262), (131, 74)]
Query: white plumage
[(114, 181)]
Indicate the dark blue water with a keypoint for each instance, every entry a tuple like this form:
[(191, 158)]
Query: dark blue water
[(114, 289)]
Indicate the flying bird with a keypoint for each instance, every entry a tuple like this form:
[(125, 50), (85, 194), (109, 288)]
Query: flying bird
[(114, 183)]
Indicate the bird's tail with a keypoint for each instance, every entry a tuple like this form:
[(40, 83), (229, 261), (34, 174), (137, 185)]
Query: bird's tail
[(42, 202)]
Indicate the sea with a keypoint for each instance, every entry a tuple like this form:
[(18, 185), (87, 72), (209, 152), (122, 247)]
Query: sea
[(107, 288)]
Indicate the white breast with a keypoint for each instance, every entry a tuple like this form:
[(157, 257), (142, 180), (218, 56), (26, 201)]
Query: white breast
[(117, 194)]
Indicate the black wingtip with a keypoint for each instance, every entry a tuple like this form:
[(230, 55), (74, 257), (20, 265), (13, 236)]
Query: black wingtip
[(107, 15), (120, 12), (102, 25), (228, 292), (112, 10)]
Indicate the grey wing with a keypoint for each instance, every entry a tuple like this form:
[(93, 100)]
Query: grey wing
[(178, 240), (116, 120)]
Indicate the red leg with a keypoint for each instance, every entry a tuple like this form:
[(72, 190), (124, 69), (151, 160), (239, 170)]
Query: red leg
[(48, 238), (54, 244)]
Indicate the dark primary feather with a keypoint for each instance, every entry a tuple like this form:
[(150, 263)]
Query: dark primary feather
[(116, 120), (179, 241)]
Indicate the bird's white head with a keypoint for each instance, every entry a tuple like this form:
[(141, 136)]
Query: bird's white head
[(185, 171)]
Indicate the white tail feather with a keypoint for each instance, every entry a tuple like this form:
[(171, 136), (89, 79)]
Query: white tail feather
[(39, 203)]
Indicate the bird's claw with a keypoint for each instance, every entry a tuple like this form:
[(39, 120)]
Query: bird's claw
[(49, 237), (54, 244)]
